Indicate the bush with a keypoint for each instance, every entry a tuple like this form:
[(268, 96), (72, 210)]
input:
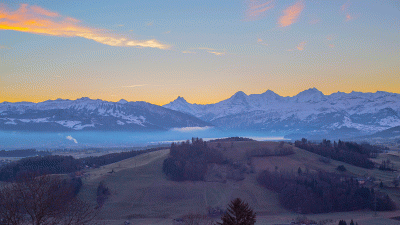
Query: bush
[(341, 168), (102, 194)]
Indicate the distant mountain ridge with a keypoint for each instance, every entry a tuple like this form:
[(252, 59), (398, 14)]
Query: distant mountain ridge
[(88, 114), (309, 111)]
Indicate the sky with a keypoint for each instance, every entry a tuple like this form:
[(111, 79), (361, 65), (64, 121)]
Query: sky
[(204, 51)]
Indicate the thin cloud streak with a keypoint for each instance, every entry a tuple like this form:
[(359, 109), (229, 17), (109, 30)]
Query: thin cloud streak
[(136, 85), (291, 14), (216, 53), (34, 19), (256, 9)]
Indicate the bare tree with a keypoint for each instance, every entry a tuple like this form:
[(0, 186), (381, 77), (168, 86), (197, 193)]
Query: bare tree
[(43, 200)]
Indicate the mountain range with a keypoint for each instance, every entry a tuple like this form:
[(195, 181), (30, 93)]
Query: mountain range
[(309, 113), (88, 114)]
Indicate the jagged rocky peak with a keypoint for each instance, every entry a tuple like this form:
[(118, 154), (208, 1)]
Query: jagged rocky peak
[(180, 100)]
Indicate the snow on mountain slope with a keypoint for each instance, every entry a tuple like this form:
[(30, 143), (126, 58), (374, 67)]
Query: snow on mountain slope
[(308, 110), (88, 114)]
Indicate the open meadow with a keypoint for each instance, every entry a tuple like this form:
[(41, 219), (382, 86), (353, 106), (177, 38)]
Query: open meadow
[(141, 193)]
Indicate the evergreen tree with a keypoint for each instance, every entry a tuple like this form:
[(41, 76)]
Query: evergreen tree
[(351, 222), (299, 171), (238, 213), (342, 222)]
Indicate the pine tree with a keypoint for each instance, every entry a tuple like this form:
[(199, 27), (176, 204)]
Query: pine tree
[(238, 213), (351, 222), (342, 222)]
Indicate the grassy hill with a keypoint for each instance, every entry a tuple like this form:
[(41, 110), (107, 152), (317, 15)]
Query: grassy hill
[(141, 192)]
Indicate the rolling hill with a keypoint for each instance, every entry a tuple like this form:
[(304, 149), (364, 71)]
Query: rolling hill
[(141, 192)]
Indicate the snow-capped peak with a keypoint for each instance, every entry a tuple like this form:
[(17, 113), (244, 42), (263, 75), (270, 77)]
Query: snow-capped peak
[(122, 101), (309, 95), (179, 100)]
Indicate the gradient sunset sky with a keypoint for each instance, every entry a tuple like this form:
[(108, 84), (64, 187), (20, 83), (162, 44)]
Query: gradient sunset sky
[(204, 51)]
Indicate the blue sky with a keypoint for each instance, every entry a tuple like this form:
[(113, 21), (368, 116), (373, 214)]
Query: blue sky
[(204, 51)]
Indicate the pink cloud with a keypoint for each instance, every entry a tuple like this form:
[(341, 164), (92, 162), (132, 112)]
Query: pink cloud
[(291, 14), (301, 46), (256, 9), (36, 20)]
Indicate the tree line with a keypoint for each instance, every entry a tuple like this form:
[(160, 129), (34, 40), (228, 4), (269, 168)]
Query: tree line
[(55, 164), (188, 161), (323, 192), (23, 153), (348, 152)]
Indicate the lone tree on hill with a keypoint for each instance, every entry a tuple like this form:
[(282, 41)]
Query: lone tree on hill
[(238, 213)]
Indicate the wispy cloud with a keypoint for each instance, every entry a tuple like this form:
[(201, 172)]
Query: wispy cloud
[(216, 53), (349, 17), (345, 9), (330, 39), (345, 6), (135, 85), (291, 14), (188, 52), (211, 51), (256, 9), (34, 19), (301, 46), (261, 42), (72, 139)]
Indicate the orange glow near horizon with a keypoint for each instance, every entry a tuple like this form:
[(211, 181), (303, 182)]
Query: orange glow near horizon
[(112, 50)]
